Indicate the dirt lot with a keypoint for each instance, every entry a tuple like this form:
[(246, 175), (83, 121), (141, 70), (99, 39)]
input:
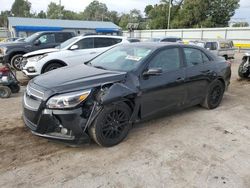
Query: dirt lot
[(192, 148)]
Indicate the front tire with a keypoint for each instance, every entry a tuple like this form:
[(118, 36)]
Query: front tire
[(5, 92), (240, 70), (16, 62), (52, 66), (214, 95), (112, 125)]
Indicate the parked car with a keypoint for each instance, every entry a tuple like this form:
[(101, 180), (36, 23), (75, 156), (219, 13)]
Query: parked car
[(130, 82), (224, 48), (12, 52), (74, 51), (244, 68), (134, 40), (166, 39), (13, 39)]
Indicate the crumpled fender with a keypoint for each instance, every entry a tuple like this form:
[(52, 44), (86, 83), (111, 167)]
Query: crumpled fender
[(118, 91)]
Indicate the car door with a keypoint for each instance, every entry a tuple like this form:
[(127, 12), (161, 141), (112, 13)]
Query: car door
[(45, 41), (199, 73), (84, 51), (165, 91)]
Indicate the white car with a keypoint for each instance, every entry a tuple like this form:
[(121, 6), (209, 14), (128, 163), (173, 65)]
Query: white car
[(74, 51)]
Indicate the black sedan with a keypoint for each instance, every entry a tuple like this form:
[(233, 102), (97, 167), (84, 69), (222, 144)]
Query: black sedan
[(102, 98)]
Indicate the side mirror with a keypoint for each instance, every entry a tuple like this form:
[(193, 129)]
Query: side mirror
[(37, 42), (153, 72), (74, 47)]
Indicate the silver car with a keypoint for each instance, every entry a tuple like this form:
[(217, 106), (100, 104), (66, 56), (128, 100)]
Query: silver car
[(224, 48)]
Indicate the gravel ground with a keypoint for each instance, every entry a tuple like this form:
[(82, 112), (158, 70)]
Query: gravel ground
[(192, 148)]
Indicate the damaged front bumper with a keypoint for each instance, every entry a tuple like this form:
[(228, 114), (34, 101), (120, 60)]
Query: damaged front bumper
[(63, 125)]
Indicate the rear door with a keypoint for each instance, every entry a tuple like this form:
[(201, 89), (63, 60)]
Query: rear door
[(200, 70), (166, 91)]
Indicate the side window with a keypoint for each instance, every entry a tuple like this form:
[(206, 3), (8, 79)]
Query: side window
[(47, 38), (100, 42), (205, 58), (85, 43), (167, 60), (193, 56), (61, 37)]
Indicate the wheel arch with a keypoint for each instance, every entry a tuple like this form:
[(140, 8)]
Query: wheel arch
[(12, 54), (53, 61)]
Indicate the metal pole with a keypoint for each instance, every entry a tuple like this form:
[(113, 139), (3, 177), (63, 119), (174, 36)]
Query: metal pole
[(169, 13)]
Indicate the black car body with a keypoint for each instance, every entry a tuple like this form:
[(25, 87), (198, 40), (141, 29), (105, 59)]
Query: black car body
[(9, 52), (156, 77)]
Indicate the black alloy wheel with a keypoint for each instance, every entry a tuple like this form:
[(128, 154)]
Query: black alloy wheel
[(112, 125), (214, 95)]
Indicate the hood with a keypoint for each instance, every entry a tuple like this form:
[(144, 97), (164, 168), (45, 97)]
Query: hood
[(41, 52), (13, 44), (77, 78)]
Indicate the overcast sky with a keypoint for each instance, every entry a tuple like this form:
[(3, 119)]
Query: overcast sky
[(118, 5)]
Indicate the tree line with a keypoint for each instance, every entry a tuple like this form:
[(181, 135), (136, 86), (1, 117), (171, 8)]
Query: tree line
[(184, 14)]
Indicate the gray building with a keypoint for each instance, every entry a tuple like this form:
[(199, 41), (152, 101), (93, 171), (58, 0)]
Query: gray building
[(23, 27)]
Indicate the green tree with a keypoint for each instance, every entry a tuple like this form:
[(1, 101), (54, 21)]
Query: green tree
[(21, 8), (41, 14), (96, 11), (241, 24), (4, 18), (55, 11)]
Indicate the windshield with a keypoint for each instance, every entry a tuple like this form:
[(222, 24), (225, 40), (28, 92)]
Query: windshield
[(68, 42), (31, 38), (121, 58)]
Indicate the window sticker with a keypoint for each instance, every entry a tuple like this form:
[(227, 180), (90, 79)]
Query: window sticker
[(133, 58)]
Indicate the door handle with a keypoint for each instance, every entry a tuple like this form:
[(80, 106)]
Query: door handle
[(93, 52), (179, 80)]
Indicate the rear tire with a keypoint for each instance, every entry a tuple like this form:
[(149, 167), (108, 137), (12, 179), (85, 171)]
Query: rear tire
[(16, 62), (112, 125), (240, 70), (214, 95), (52, 66), (5, 92)]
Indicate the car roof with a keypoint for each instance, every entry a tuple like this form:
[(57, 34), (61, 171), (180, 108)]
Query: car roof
[(101, 36), (156, 45)]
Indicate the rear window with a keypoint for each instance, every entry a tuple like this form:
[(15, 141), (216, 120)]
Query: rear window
[(211, 45)]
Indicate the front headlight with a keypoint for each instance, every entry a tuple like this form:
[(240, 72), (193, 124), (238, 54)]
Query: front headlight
[(37, 58), (68, 100), (3, 50)]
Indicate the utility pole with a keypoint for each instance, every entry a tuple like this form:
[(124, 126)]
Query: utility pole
[(169, 13), (60, 11)]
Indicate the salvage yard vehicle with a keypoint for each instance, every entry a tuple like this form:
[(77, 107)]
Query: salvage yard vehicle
[(8, 82), (102, 98), (166, 39), (244, 68), (76, 50), (12, 52), (224, 48)]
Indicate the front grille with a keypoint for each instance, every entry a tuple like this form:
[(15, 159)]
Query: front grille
[(33, 98)]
